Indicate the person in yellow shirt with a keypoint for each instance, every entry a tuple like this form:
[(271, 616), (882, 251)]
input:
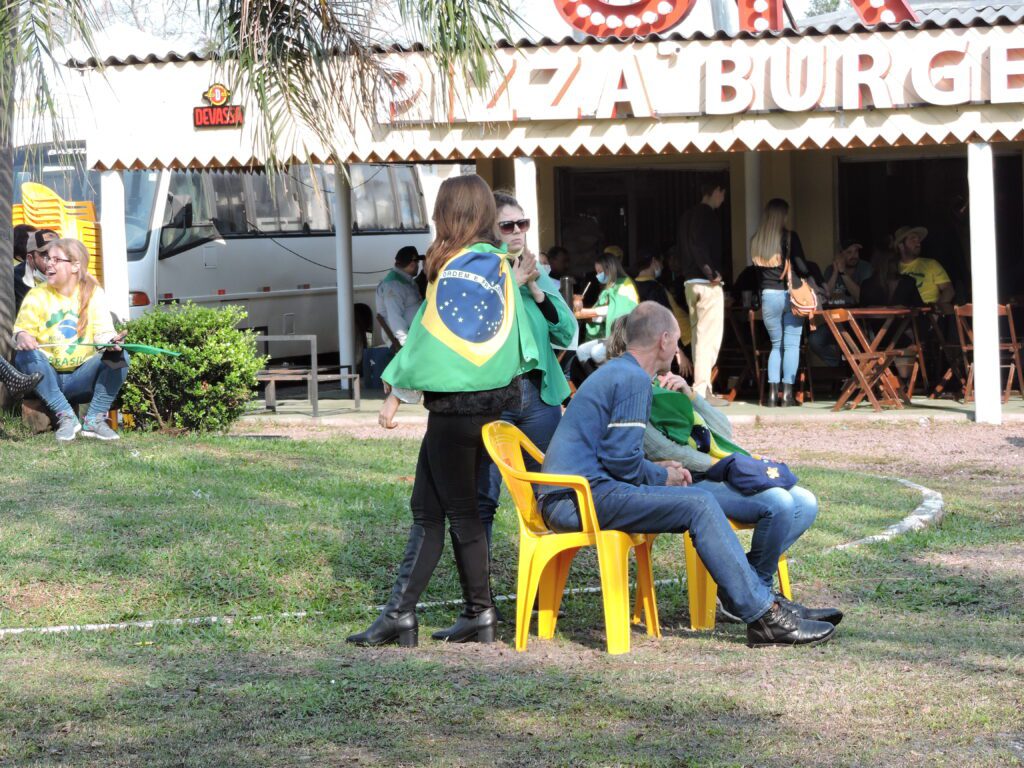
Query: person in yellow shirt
[(55, 320), (933, 283)]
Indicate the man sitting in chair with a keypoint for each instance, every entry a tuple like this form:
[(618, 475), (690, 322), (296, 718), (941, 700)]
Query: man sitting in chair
[(601, 437)]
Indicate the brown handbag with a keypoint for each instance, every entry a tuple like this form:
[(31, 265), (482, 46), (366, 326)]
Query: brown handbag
[(803, 300)]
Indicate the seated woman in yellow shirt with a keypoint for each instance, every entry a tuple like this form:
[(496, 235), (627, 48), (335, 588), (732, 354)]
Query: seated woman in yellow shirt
[(56, 319)]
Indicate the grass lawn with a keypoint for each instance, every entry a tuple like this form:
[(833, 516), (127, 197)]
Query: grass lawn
[(925, 670)]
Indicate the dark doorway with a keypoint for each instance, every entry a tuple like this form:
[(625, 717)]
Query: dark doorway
[(636, 209), (877, 197)]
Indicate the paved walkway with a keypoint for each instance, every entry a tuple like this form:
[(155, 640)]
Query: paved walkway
[(337, 410)]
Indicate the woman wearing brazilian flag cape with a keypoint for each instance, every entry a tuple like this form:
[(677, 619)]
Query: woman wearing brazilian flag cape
[(465, 351)]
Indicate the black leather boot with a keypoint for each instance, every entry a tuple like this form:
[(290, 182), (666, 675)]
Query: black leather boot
[(773, 395), (17, 383), (480, 628), (779, 626), (397, 622), (831, 615), (479, 619), (787, 396)]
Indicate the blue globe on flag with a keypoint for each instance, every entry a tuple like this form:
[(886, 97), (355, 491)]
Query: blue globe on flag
[(471, 297)]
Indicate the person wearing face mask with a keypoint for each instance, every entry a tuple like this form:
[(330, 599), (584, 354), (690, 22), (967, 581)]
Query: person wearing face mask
[(649, 288), (544, 389), (618, 295), (31, 272), (398, 298)]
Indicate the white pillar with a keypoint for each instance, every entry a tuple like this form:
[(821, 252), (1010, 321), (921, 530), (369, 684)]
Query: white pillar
[(752, 194), (987, 395), (115, 248), (526, 194), (343, 265)]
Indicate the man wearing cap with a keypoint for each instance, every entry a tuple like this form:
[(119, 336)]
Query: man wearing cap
[(933, 282), (843, 278), (398, 298), (31, 271)]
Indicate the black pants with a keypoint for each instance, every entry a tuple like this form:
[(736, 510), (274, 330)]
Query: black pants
[(446, 487)]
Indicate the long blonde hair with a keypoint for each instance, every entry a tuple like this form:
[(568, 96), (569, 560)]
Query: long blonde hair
[(87, 284), (766, 245)]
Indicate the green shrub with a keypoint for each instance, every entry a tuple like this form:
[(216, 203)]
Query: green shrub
[(208, 386)]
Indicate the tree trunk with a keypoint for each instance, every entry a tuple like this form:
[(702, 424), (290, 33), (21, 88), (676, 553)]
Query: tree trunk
[(8, 28)]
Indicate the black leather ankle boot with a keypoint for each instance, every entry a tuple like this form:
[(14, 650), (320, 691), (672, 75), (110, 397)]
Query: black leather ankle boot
[(467, 629), (17, 383), (787, 396), (780, 626), (773, 395), (390, 627)]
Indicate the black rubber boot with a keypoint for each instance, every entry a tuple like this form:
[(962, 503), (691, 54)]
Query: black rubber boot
[(787, 396), (397, 622), (17, 383), (773, 395), (478, 619)]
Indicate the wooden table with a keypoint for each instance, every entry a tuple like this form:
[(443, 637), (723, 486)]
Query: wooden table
[(312, 375), (871, 356)]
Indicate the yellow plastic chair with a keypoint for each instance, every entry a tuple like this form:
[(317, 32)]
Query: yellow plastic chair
[(44, 209), (545, 556)]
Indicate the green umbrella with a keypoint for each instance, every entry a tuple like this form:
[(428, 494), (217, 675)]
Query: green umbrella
[(145, 349)]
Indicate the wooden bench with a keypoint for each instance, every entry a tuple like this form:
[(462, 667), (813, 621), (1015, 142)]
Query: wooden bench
[(270, 376)]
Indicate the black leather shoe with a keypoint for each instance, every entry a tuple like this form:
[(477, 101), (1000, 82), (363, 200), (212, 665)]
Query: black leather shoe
[(831, 615), (781, 627), (468, 629), (773, 396), (788, 400), (390, 627)]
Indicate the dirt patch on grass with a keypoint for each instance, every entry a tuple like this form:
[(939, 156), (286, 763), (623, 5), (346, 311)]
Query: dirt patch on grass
[(998, 561)]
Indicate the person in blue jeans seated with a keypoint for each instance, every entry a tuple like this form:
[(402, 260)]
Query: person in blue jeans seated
[(684, 427), (56, 319), (601, 438), (543, 390)]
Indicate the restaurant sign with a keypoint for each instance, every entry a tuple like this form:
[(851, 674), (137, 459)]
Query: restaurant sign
[(669, 79), (648, 17), (219, 114)]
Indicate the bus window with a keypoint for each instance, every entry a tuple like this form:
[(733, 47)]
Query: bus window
[(410, 198), (229, 203), (188, 216), (286, 192), (308, 182), (261, 203), (373, 200), (139, 194)]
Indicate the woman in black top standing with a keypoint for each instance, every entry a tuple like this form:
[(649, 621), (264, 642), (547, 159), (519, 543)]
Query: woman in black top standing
[(775, 249)]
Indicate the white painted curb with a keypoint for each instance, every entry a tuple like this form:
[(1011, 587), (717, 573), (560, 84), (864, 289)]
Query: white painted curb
[(929, 512)]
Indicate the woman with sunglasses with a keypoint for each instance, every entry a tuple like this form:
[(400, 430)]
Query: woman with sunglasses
[(465, 352), (55, 320), (544, 389), (618, 298)]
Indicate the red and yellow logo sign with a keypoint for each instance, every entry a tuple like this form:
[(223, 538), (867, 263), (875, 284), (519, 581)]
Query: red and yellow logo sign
[(219, 114)]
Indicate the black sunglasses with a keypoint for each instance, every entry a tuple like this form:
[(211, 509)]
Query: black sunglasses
[(508, 227)]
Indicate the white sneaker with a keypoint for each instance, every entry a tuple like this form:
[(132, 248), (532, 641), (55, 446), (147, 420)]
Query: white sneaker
[(68, 426)]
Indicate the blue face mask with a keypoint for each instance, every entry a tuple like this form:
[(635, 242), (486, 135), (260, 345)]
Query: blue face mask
[(657, 273), (602, 277)]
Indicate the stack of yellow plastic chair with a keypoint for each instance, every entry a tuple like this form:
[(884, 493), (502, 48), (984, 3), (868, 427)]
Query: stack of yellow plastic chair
[(545, 556), (42, 208)]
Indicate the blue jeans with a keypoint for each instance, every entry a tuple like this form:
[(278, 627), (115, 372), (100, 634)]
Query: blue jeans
[(780, 517), (92, 382), (538, 421), (664, 509), (824, 345), (784, 329)]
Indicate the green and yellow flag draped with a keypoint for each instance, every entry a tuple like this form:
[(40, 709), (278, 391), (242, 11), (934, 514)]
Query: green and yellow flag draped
[(471, 333), (621, 298), (673, 415)]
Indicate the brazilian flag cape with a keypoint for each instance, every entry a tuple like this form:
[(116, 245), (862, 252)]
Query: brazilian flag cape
[(673, 415), (471, 332), (621, 298)]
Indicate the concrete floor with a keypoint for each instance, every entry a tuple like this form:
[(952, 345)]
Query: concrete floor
[(336, 407)]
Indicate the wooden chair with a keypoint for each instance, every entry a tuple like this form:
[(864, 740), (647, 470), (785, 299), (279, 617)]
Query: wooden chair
[(545, 556), (1009, 348), (392, 339), (804, 381)]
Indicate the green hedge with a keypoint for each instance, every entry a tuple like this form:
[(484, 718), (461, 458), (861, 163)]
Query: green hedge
[(205, 389)]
